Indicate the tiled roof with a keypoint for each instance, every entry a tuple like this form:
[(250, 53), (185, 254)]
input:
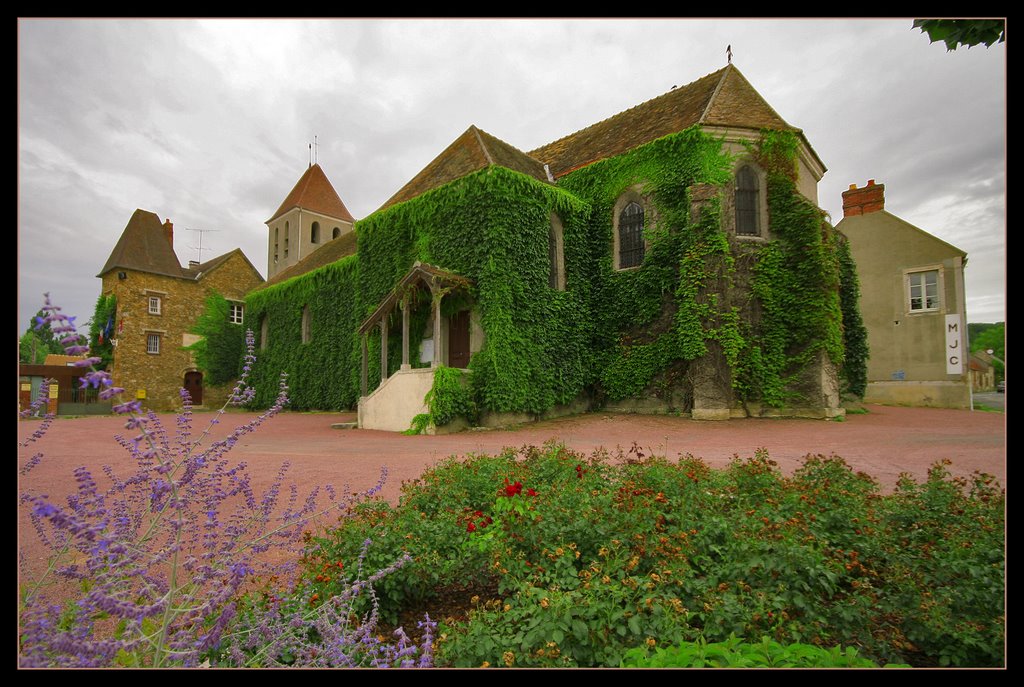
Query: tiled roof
[(144, 247), (314, 192), (723, 98), (332, 251), (204, 268), (473, 150)]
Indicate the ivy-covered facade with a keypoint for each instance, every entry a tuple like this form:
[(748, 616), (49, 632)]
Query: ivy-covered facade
[(671, 258)]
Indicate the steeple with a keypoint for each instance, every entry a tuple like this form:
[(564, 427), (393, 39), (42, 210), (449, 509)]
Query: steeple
[(311, 215)]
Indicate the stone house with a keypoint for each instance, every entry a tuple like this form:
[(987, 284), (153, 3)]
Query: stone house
[(671, 258), (913, 303), (157, 302)]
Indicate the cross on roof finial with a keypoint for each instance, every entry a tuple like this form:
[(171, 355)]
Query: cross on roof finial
[(728, 53)]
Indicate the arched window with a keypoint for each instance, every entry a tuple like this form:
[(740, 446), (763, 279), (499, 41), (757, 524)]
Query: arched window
[(631, 236), (336, 233), (748, 202), (314, 233), (556, 254), (286, 235), (305, 324)]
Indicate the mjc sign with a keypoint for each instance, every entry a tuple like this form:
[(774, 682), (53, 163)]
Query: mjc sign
[(954, 346)]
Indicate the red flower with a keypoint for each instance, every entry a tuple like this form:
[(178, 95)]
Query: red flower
[(531, 492), (483, 523), (478, 514), (341, 566), (513, 489), (470, 527)]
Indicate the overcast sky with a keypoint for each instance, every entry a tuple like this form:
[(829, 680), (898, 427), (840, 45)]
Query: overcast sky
[(208, 123)]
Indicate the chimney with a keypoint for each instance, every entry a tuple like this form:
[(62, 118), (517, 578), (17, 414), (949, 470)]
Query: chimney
[(861, 201), (169, 232)]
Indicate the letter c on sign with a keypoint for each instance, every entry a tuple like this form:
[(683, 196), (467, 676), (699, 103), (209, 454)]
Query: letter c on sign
[(953, 360)]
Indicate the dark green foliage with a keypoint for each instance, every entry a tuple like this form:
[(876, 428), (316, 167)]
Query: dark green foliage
[(992, 337), (575, 561), (323, 373), (35, 344), (969, 32), (104, 320), (735, 653), (219, 353), (854, 372)]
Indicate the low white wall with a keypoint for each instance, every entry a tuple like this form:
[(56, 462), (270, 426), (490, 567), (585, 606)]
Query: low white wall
[(392, 407)]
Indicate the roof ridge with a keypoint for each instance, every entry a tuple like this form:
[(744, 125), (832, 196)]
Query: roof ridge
[(483, 146), (613, 116), (718, 89)]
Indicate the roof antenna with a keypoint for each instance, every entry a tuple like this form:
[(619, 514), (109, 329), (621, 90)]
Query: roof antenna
[(200, 247), (310, 155), (728, 53), (316, 160)]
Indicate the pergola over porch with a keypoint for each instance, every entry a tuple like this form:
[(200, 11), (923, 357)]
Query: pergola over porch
[(440, 282)]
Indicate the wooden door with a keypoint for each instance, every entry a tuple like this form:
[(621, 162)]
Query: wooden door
[(194, 387), (458, 339)]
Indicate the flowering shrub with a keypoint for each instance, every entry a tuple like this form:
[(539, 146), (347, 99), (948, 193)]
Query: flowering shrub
[(161, 557), (618, 552)]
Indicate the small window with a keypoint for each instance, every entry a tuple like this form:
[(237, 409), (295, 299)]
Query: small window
[(235, 313), (154, 305), (305, 324), (631, 236), (153, 344), (336, 233), (314, 233), (924, 290), (747, 202)]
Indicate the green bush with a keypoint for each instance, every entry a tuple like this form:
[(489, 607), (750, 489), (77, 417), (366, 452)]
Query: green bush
[(575, 561)]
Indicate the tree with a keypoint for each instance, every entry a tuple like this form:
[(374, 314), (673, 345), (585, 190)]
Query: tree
[(969, 32), (101, 330), (219, 353), (992, 339), (35, 344)]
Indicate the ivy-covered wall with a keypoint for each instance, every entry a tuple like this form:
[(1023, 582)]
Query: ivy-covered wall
[(324, 372), (704, 311)]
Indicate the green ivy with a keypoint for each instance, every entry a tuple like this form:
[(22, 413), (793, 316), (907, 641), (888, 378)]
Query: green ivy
[(769, 309), (219, 352), (105, 312)]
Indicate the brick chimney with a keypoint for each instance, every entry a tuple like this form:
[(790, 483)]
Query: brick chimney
[(861, 201), (169, 232)]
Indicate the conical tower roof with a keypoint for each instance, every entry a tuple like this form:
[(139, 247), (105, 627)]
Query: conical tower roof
[(314, 191)]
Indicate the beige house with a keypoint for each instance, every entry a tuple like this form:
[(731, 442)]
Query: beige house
[(913, 304), (158, 301), (311, 216)]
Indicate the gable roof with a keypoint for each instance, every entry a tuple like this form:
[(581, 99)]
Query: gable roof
[(144, 247), (885, 221), (721, 99), (314, 192), (199, 271), (473, 150), (332, 251)]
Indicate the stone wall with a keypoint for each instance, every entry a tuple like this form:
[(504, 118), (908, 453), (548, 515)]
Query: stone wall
[(156, 378)]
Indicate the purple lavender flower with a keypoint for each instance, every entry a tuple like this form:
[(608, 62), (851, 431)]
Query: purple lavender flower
[(171, 545)]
